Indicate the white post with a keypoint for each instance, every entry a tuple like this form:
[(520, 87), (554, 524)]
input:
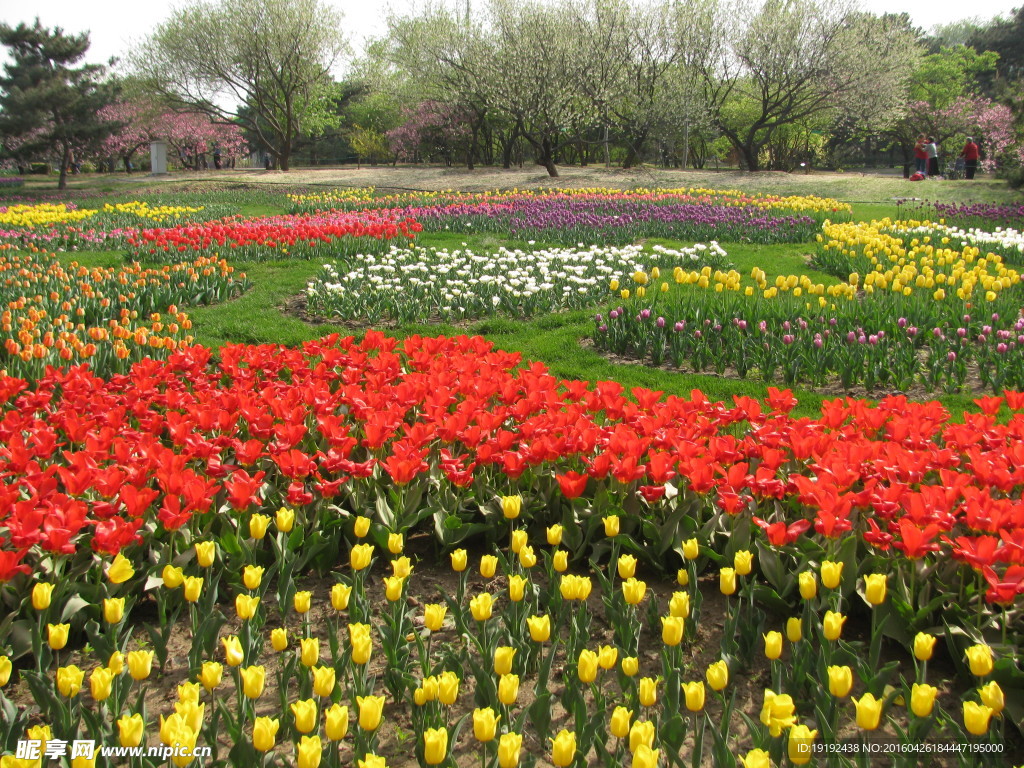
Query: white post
[(158, 158)]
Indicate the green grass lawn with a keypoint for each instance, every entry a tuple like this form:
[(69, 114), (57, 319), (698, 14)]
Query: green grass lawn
[(260, 316)]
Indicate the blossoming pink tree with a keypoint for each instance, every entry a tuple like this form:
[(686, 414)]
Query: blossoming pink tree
[(431, 128), (191, 135), (990, 123)]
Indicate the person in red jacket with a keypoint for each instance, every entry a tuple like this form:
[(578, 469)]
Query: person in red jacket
[(921, 155), (970, 155)]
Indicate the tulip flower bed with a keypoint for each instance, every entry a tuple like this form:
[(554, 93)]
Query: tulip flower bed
[(980, 215), (63, 315), (319, 236), (67, 227), (609, 217), (924, 314), (409, 284), (189, 485)]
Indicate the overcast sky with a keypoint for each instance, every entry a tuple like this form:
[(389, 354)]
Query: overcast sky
[(115, 25)]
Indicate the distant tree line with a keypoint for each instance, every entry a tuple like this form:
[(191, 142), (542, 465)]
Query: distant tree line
[(762, 84)]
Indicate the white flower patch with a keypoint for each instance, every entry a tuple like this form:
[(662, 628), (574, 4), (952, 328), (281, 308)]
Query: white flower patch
[(409, 284)]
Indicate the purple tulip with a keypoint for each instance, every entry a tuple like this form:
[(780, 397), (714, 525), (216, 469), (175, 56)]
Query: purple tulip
[(660, 322), (902, 322)]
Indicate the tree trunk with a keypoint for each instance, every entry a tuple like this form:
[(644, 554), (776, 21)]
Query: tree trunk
[(65, 158), (634, 143), (547, 157), (749, 154)]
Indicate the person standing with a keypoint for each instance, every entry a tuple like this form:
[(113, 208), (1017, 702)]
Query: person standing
[(920, 156), (932, 150), (970, 154)]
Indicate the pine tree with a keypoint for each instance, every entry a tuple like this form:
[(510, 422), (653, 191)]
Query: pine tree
[(48, 105)]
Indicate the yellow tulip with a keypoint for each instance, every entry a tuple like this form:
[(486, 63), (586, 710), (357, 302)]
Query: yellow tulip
[(679, 605), (360, 556), (641, 733), (586, 666), (245, 606), (264, 733), (460, 560), (777, 712), (840, 681), (206, 552), (362, 644), (302, 601), (874, 588), (258, 526), (306, 715), (527, 557), (630, 666), (372, 761), (627, 566), (340, 594), (634, 591), (924, 644), (232, 650), (517, 588), (992, 697), (833, 625), (869, 712), (611, 525), (69, 680), (371, 708), (509, 747), (773, 645), (717, 675), (488, 566), (508, 689), (560, 561), (554, 535), (800, 744), (648, 691), (361, 527), (285, 519), (831, 574), (393, 588), (131, 729), (694, 695), (279, 639), (433, 616), (607, 656), (396, 543), (193, 588), (485, 724), (336, 726), (691, 549), (511, 506), (173, 577), (756, 758), (672, 630), (100, 683), (922, 699), (727, 581), (310, 750), (120, 570), (682, 577), (503, 658), (253, 681), (808, 585), (42, 594), (324, 680), (447, 688), (794, 629), (519, 540), (116, 662), (540, 628), (252, 575), (619, 726), (309, 651), (5, 670), (979, 657), (976, 718), (645, 757), (481, 605), (743, 562), (140, 664), (563, 748), (211, 674)]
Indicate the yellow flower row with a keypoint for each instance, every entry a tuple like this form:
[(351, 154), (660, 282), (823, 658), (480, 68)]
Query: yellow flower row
[(143, 210), (43, 215)]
